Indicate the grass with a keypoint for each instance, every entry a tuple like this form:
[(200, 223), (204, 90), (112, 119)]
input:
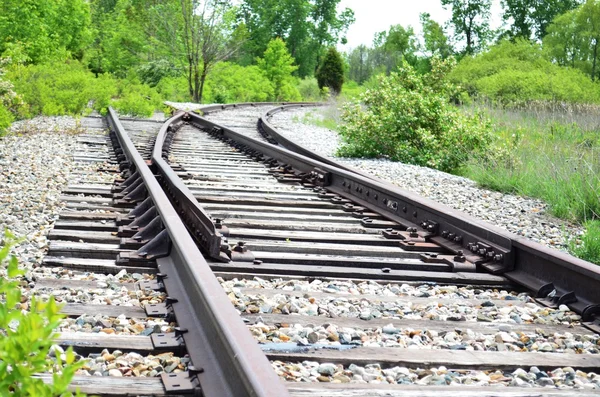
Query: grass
[(551, 154), (546, 155), (588, 247)]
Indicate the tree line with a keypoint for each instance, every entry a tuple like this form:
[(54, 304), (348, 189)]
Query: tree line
[(568, 32), (282, 41), (160, 38)]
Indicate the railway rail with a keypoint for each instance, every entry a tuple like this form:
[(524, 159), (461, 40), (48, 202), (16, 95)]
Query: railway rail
[(350, 286)]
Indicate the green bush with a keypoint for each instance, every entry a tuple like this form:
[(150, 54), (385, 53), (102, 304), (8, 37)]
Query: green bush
[(136, 99), (67, 87), (174, 89), (409, 118), (6, 118), (516, 73), (27, 338), (309, 89), (229, 82), (52, 89)]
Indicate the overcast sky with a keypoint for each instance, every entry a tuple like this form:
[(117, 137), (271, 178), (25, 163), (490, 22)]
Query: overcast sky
[(374, 16)]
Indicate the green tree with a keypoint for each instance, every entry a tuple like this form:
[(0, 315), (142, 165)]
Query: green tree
[(392, 48), (120, 43), (531, 18), (564, 42), (471, 22), (278, 65), (435, 40), (573, 38), (306, 26), (331, 72), (360, 65), (589, 20)]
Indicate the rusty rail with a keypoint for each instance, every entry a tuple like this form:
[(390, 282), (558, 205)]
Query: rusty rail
[(226, 361)]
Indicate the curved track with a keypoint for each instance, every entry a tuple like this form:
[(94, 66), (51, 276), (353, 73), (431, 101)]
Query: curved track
[(348, 284)]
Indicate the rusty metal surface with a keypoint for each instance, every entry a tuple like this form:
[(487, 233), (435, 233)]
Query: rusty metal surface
[(266, 128), (226, 359), (198, 222), (558, 277)]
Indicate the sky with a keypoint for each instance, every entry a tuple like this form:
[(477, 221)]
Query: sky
[(374, 16)]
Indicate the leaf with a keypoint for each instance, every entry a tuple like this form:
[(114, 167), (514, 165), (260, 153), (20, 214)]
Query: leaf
[(13, 268)]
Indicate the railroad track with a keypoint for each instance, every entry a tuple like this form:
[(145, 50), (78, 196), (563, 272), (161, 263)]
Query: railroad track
[(351, 287)]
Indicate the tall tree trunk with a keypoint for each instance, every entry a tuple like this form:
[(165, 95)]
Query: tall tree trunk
[(196, 86), (202, 81), (189, 79), (595, 58)]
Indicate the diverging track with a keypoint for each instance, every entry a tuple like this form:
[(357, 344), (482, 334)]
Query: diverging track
[(349, 285)]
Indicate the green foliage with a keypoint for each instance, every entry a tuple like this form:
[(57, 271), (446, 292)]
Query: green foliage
[(52, 89), (306, 26), (136, 99), (574, 39), (278, 65), (309, 89), (515, 73), (174, 89), (6, 118), (409, 118), (59, 88), (27, 338), (229, 82), (434, 39), (530, 18), (44, 29), (9, 100), (471, 22), (331, 72), (152, 72), (119, 42), (589, 246)]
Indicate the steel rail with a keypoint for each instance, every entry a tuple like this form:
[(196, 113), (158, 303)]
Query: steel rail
[(266, 128), (226, 360), (219, 107), (554, 277)]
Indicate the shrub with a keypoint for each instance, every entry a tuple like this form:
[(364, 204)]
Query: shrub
[(229, 82), (309, 89), (409, 118), (331, 72), (67, 87), (52, 89), (27, 338), (6, 118), (136, 99), (174, 89), (516, 73), (152, 72)]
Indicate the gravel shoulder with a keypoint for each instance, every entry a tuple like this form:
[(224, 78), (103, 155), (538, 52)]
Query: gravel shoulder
[(524, 216)]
